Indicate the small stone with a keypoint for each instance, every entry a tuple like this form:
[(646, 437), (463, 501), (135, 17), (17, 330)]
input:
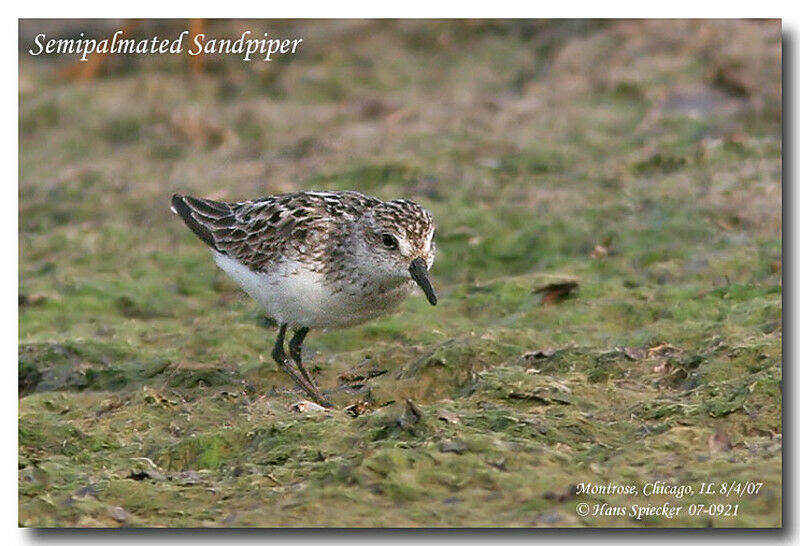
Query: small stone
[(634, 353), (411, 416), (549, 518), (452, 446), (305, 406), (119, 514), (188, 477)]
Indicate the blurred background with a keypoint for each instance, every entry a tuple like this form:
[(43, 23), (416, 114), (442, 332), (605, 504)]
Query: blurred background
[(608, 202)]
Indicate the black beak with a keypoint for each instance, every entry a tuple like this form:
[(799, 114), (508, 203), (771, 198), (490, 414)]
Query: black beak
[(419, 272)]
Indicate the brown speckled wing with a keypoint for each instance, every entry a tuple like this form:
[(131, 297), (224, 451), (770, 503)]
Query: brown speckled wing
[(263, 232)]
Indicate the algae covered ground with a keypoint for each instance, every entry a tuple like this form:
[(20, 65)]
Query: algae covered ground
[(608, 203)]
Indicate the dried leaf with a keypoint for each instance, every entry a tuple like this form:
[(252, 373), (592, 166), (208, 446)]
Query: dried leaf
[(539, 354), (359, 408), (662, 368), (555, 293), (719, 442), (448, 416), (665, 349), (599, 251)]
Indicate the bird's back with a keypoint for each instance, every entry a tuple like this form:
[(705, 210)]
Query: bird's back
[(261, 233)]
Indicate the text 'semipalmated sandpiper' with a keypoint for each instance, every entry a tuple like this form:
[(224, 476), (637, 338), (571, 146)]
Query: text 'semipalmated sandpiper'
[(317, 259)]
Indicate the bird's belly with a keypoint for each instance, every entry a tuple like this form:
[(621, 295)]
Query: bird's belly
[(296, 295)]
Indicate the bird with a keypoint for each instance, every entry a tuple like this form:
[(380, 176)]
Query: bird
[(317, 259)]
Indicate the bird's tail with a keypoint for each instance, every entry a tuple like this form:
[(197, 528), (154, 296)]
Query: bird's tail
[(203, 216)]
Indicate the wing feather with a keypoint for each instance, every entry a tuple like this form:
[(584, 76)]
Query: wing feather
[(262, 232)]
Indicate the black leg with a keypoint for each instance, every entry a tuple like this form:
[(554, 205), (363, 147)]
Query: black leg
[(278, 354), (304, 382), (295, 346), (295, 349)]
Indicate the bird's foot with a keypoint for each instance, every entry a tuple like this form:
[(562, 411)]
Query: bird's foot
[(306, 384)]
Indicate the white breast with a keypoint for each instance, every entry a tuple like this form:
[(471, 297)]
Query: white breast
[(294, 294)]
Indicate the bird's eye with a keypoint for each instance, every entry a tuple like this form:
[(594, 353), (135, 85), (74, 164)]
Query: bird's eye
[(389, 241)]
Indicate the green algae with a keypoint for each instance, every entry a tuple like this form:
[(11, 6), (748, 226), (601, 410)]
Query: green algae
[(145, 377)]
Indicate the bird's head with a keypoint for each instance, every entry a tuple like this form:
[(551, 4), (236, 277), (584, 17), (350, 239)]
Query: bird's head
[(398, 237)]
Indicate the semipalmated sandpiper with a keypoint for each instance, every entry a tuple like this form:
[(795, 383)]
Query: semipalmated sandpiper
[(317, 259)]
